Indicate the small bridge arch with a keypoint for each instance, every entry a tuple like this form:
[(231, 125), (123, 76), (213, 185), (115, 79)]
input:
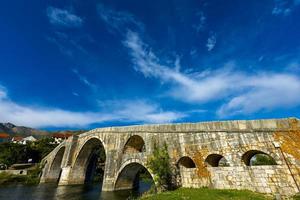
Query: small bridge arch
[(186, 162), (250, 156), (216, 160), (134, 144)]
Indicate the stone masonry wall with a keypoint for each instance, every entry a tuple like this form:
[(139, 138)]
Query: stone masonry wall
[(231, 139)]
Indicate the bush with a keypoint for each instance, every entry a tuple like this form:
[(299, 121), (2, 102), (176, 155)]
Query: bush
[(159, 164)]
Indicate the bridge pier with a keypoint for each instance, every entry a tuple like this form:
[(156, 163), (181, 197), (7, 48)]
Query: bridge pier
[(64, 177)]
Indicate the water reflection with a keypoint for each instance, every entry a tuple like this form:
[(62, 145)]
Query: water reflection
[(54, 192)]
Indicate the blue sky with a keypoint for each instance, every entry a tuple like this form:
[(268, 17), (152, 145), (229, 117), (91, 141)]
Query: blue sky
[(85, 64)]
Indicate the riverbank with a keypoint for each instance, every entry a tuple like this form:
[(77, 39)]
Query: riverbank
[(206, 193), (32, 178), (6, 178)]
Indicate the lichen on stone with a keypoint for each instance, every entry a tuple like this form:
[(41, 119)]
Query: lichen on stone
[(202, 170)]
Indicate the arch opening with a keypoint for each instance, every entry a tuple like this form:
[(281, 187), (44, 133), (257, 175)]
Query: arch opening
[(216, 160), (55, 168), (134, 176), (186, 162), (90, 163), (256, 158), (135, 144)]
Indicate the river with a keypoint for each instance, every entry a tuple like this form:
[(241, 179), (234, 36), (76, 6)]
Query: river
[(54, 192)]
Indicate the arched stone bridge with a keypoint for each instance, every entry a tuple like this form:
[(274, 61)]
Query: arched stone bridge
[(212, 154)]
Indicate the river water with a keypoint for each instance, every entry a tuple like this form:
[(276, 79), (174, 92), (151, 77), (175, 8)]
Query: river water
[(53, 192)]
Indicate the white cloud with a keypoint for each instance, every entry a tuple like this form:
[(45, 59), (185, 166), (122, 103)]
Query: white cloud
[(131, 111), (266, 91), (118, 20), (242, 92), (64, 18), (211, 42), (139, 110)]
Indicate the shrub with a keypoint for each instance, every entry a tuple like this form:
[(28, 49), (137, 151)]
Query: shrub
[(159, 164)]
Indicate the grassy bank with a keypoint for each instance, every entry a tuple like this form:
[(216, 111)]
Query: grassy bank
[(6, 178), (30, 179), (205, 194)]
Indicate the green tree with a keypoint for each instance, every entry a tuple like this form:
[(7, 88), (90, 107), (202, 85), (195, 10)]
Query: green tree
[(11, 153), (43, 147), (159, 164)]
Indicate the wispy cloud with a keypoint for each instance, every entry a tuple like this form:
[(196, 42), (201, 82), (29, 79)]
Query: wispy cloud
[(284, 7), (118, 20), (211, 41), (64, 18), (130, 111), (243, 93), (71, 44), (84, 80), (3, 93), (75, 94), (201, 22)]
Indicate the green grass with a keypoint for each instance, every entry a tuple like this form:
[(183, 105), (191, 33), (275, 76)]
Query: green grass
[(206, 194)]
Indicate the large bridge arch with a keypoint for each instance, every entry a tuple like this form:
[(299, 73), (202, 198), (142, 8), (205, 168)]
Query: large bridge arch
[(86, 158), (55, 167), (126, 176), (53, 164)]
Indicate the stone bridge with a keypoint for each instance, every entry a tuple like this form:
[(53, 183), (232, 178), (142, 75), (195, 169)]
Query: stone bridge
[(208, 154)]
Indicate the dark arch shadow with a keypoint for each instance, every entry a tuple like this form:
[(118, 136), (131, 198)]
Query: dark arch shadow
[(129, 176), (216, 160), (90, 161), (256, 157), (186, 162), (135, 144)]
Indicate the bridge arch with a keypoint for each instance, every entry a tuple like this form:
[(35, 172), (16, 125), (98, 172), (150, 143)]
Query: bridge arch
[(128, 174), (216, 160), (90, 153), (186, 162), (250, 157), (55, 166), (134, 144)]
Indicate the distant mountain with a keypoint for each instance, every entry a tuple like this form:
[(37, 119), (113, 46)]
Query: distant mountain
[(23, 131)]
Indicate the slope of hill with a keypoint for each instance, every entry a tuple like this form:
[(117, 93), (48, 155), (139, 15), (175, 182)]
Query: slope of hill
[(23, 131)]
